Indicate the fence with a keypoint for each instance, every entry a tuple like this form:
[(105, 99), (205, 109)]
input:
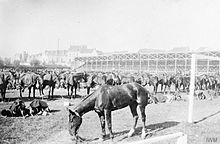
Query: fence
[(169, 62)]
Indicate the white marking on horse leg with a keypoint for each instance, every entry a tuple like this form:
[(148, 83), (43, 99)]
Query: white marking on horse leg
[(131, 132), (100, 139), (143, 134)]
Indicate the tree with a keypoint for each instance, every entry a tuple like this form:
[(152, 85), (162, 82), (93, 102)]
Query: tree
[(7, 61), (1, 63), (35, 63), (17, 63)]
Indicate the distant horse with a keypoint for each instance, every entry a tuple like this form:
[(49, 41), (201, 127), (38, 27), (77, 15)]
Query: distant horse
[(127, 79), (107, 99), (152, 81), (29, 80), (182, 81), (113, 79), (73, 81), (6, 78), (51, 80), (94, 80)]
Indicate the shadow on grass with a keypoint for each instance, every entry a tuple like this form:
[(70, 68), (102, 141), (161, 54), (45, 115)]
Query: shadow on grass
[(54, 111), (24, 99), (153, 129), (206, 117), (45, 97)]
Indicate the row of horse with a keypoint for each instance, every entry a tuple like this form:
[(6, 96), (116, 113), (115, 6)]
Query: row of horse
[(74, 80)]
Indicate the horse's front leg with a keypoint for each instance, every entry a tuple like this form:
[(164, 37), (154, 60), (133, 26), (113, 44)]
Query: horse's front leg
[(71, 89), (34, 91), (49, 92), (68, 87), (3, 91), (162, 85), (20, 91), (165, 88), (52, 92), (42, 89), (133, 108), (29, 89), (88, 90), (75, 90), (108, 115), (102, 121), (156, 87)]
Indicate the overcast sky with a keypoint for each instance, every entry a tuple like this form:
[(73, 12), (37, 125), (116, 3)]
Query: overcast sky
[(108, 25)]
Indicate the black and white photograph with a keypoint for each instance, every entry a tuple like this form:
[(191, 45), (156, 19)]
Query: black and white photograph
[(109, 71)]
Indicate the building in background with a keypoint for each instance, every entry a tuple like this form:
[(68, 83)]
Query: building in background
[(58, 57)]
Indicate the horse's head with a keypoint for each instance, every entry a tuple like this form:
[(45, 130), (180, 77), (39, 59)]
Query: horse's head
[(75, 120)]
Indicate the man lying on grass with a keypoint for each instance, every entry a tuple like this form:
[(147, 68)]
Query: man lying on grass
[(18, 109), (39, 107)]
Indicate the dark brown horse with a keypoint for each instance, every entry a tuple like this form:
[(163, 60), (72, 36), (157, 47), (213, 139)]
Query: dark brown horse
[(51, 80), (107, 99), (73, 82)]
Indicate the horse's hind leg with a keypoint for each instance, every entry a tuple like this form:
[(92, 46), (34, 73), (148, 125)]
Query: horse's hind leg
[(108, 115), (143, 118), (71, 89), (102, 121), (88, 90), (52, 92), (68, 87), (133, 108), (34, 91)]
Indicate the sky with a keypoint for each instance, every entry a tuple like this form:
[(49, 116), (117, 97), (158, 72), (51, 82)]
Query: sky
[(108, 25)]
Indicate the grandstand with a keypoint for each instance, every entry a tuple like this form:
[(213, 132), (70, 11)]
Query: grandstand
[(152, 62)]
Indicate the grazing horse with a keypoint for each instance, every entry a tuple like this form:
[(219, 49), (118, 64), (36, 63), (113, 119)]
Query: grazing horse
[(107, 99), (29, 80)]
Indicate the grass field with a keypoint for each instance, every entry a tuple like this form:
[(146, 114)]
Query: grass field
[(164, 118)]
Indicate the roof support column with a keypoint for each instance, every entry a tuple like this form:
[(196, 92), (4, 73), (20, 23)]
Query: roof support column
[(139, 62), (192, 88), (96, 66)]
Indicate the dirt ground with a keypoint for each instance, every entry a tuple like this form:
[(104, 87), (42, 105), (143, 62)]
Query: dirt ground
[(163, 118)]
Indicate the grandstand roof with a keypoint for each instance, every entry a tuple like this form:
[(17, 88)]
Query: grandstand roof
[(150, 50)]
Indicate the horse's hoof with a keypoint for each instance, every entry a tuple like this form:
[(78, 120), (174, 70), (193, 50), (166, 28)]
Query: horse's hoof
[(131, 132), (143, 135), (101, 139)]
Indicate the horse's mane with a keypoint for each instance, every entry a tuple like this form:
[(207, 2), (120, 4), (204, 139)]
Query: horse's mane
[(85, 98)]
